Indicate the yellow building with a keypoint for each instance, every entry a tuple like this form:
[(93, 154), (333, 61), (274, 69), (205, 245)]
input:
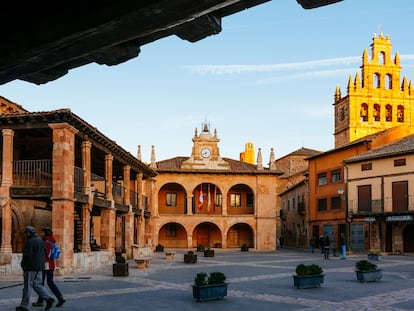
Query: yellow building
[(209, 200), (376, 99)]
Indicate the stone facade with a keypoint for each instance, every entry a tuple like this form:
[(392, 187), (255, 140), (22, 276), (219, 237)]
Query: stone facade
[(208, 200)]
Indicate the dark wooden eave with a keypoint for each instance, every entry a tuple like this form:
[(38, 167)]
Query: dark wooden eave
[(42, 41)]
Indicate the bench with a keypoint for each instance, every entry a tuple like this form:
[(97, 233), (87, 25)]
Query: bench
[(169, 255), (143, 262)]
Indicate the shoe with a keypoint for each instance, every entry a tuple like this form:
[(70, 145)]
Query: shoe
[(37, 304), (20, 308), (60, 302), (49, 303)]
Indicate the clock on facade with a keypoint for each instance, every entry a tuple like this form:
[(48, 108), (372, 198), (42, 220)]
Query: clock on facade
[(205, 152)]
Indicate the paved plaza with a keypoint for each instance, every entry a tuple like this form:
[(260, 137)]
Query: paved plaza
[(258, 281)]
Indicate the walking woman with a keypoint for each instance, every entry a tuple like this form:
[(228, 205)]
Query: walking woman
[(48, 273), (326, 246)]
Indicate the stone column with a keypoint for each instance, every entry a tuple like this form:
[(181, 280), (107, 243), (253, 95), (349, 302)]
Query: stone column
[(5, 203), (86, 208), (108, 176), (63, 181), (224, 205), (190, 204), (129, 233), (127, 185), (108, 215)]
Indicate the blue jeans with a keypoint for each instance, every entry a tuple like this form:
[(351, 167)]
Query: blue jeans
[(48, 276), (343, 251), (33, 280)]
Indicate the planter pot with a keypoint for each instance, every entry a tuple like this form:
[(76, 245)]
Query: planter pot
[(120, 269), (209, 292), (244, 248), (200, 248), (336, 253), (190, 258), (209, 253), (159, 248), (374, 256), (364, 276), (307, 281)]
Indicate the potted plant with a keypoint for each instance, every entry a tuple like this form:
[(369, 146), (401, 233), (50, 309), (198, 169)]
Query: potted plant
[(190, 257), (120, 267), (209, 286), (374, 254), (367, 271), (209, 252), (244, 248), (200, 248), (308, 276)]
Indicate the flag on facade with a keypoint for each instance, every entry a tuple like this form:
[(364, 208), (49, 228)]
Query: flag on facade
[(201, 198), (209, 200)]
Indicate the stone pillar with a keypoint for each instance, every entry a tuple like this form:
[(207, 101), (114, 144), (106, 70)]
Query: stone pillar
[(108, 215), (190, 204), (129, 233), (108, 218), (127, 185), (108, 176), (86, 208), (63, 181), (224, 206), (5, 203)]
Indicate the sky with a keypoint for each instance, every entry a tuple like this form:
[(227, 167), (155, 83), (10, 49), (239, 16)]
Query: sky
[(269, 78)]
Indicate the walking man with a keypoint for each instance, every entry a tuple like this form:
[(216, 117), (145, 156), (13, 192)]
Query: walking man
[(33, 262)]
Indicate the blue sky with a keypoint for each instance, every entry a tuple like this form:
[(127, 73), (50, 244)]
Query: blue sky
[(269, 77)]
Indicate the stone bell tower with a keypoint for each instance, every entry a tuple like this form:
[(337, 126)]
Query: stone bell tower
[(377, 100)]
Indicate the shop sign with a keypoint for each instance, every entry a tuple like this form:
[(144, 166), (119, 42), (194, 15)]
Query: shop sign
[(369, 219), (399, 218)]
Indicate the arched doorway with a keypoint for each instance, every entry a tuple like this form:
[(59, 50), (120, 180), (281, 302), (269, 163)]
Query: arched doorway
[(173, 235), (207, 234), (240, 234)]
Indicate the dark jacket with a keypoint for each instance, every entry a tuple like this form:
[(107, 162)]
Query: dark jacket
[(33, 254)]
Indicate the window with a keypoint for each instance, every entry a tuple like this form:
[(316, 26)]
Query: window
[(235, 199), (249, 200), (336, 202), (388, 113), (288, 205), (171, 199), (364, 113), (376, 113), (376, 80), (364, 198), (171, 230), (322, 204), (366, 166), (293, 203), (336, 176), (399, 162), (388, 81), (400, 113), (322, 179), (219, 199)]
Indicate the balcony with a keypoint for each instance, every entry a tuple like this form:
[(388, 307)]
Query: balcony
[(380, 206)]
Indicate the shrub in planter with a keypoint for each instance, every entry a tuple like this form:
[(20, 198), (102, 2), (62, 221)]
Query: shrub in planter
[(120, 267), (190, 257), (159, 248), (367, 271), (244, 248), (209, 286), (208, 252), (308, 276), (200, 248)]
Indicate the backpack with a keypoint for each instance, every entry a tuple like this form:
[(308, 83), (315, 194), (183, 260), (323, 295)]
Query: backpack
[(54, 251)]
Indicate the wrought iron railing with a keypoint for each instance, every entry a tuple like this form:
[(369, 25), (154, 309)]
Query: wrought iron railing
[(32, 173)]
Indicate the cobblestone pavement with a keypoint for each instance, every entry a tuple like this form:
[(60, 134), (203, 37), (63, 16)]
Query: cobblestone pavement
[(258, 281)]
